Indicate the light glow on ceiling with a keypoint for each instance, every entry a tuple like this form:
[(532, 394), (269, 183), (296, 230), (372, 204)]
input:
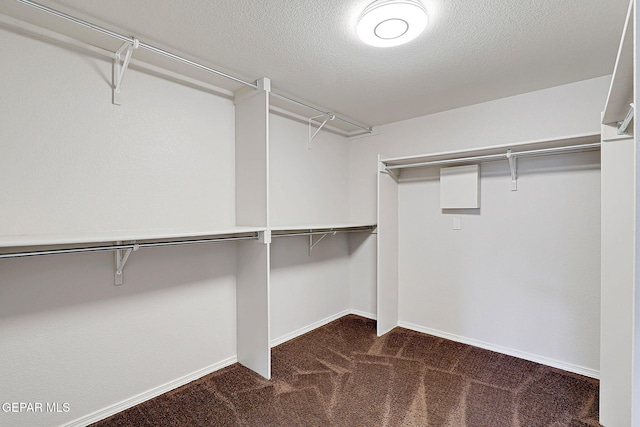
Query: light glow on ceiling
[(386, 23)]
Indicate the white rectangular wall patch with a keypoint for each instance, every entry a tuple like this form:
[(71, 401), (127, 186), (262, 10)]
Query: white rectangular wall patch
[(460, 187)]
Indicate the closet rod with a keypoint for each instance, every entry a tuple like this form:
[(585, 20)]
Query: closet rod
[(178, 58), (538, 152), (314, 233), (131, 40), (125, 246), (367, 129)]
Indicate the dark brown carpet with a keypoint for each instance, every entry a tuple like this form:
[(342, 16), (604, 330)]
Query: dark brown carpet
[(343, 375)]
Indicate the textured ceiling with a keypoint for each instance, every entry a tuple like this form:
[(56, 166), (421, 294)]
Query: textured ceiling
[(472, 50)]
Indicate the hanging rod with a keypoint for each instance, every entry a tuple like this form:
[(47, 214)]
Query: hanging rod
[(538, 152), (178, 58), (324, 233), (367, 129), (133, 246), (327, 231), (132, 40)]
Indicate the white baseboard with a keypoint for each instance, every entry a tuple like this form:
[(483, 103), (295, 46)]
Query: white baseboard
[(318, 324), (150, 394), (291, 335), (364, 314), (588, 372), (157, 391)]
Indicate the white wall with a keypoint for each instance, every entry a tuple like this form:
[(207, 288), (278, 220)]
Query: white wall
[(523, 273), (362, 274), (70, 336), (446, 298), (307, 290), (308, 186), (564, 110), (72, 162)]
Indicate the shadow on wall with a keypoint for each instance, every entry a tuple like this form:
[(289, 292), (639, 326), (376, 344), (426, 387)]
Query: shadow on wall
[(294, 251), (51, 282)]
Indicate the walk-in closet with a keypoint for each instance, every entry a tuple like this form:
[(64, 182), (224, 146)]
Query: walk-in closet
[(170, 213)]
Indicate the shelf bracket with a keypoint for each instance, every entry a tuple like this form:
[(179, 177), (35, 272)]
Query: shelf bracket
[(312, 136), (513, 166), (313, 244), (120, 66), (382, 168), (623, 125), (392, 174), (122, 255)]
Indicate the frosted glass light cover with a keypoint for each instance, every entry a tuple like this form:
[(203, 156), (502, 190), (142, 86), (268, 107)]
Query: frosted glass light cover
[(386, 23)]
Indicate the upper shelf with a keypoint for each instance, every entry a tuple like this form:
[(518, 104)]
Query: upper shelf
[(465, 156), (119, 236), (18, 241), (320, 229), (621, 90)]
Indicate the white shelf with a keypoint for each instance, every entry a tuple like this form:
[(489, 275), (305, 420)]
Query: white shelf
[(495, 150), (118, 236), (321, 230), (321, 227)]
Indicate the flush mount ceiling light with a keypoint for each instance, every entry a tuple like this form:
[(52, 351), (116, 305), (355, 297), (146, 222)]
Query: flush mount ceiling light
[(386, 23)]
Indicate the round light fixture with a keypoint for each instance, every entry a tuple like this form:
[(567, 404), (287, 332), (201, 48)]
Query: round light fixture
[(386, 23)]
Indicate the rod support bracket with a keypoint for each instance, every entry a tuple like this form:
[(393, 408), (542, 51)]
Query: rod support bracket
[(121, 256), (624, 124), (121, 61), (513, 166), (313, 244), (314, 134)]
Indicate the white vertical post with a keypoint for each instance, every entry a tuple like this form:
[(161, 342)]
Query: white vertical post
[(635, 363), (388, 285), (252, 209), (252, 155), (252, 306)]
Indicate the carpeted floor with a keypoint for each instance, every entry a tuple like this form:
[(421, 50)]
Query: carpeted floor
[(343, 375)]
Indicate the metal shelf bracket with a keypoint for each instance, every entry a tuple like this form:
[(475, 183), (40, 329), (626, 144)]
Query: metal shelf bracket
[(122, 255), (623, 125), (395, 174), (120, 65), (312, 136), (313, 244), (513, 166)]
